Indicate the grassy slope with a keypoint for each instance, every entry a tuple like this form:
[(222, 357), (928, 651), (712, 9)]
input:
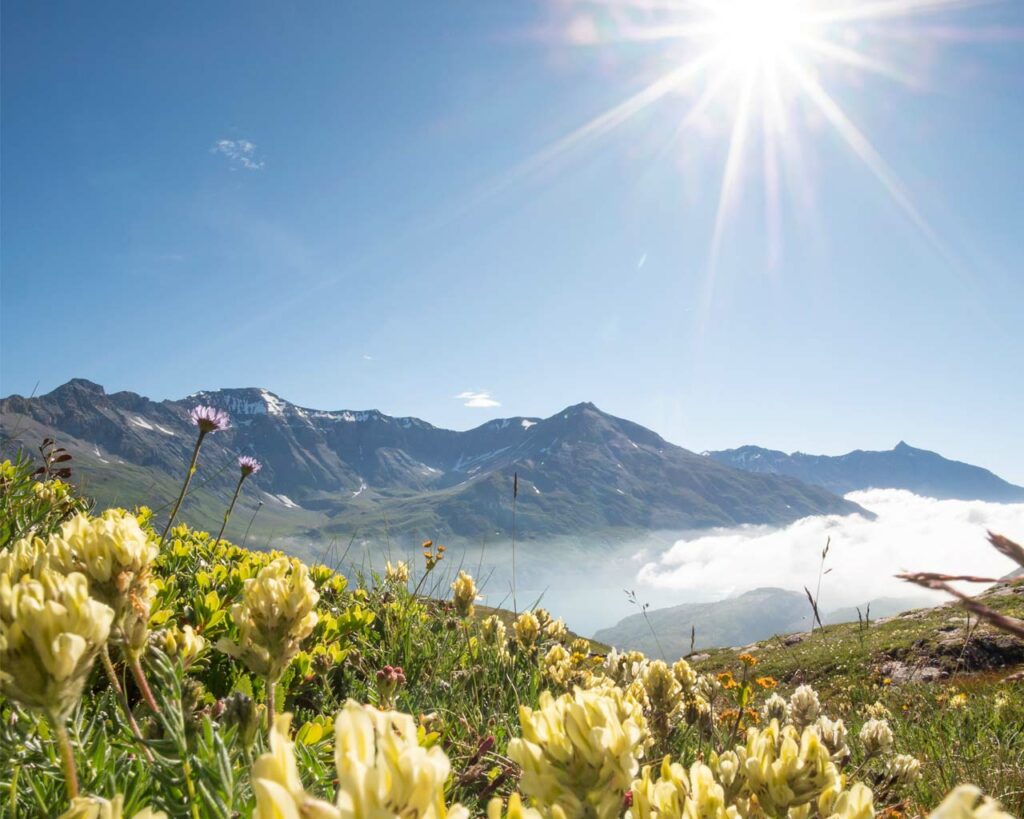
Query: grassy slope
[(978, 737)]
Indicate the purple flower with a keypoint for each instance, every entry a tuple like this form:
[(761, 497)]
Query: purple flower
[(249, 465), (209, 419)]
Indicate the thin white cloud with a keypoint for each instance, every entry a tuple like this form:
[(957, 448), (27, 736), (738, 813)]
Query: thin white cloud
[(642, 262), (910, 533), (477, 400), (241, 153)]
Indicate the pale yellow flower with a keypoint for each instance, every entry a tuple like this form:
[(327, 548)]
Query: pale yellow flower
[(579, 752), (383, 772), (115, 553), (775, 707), (276, 613), (276, 783), (685, 674), (664, 698), (856, 803), (556, 630), (397, 573), (28, 556), (833, 735), (784, 769), (557, 666), (902, 769), (967, 802), (516, 810), (804, 707), (876, 711), (678, 794), (493, 630), (183, 643), (526, 629), (464, 594), (876, 737), (94, 807), (50, 632)]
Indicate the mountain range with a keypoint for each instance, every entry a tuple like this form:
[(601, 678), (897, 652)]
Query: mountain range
[(903, 467), (344, 473)]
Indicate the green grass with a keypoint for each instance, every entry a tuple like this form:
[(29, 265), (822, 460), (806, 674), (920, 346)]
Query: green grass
[(978, 737)]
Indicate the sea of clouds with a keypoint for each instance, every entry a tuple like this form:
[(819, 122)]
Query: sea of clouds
[(910, 532)]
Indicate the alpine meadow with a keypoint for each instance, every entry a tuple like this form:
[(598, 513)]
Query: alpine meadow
[(552, 409)]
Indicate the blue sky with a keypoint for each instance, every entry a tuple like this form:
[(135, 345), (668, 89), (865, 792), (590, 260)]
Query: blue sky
[(357, 205)]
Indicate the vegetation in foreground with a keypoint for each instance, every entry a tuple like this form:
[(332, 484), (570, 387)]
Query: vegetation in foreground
[(181, 675)]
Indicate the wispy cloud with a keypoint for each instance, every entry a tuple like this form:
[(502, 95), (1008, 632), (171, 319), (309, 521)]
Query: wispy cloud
[(478, 400), (910, 532), (241, 153)]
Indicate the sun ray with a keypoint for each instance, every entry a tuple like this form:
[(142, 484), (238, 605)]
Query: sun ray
[(855, 59), (773, 127), (889, 8), (612, 118), (864, 150), (730, 176)]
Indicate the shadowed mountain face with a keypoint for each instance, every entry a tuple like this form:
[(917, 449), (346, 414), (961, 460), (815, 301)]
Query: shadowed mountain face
[(903, 467), (580, 471), (754, 615)]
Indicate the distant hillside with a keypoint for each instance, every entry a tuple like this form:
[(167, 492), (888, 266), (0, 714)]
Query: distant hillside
[(755, 615), (903, 467), (735, 621), (342, 473)]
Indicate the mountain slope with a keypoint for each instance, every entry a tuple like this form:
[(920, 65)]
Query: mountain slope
[(755, 615), (903, 467), (736, 621), (341, 472)]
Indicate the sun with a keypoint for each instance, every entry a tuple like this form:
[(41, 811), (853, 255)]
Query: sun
[(760, 77), (753, 34)]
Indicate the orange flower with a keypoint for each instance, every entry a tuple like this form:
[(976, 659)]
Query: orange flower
[(748, 660), (768, 683), (727, 680)]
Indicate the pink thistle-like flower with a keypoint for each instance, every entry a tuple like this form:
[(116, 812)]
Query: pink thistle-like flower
[(249, 465), (209, 419)]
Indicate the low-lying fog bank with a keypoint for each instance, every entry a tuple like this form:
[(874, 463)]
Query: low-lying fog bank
[(584, 580)]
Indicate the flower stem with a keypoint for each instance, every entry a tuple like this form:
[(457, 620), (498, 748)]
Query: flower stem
[(186, 768), (270, 704), (143, 684), (122, 700), (67, 755), (184, 488), (227, 514)]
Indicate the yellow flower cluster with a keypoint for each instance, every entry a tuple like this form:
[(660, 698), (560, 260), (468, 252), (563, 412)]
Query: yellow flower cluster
[(663, 697), (967, 802), (526, 630), (50, 632), (876, 737), (579, 752), (557, 667), (775, 774), (464, 594), (114, 552), (396, 573), (382, 770), (183, 643), (276, 783), (277, 612)]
